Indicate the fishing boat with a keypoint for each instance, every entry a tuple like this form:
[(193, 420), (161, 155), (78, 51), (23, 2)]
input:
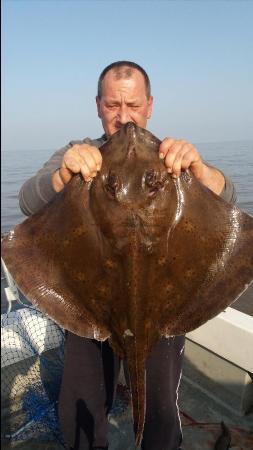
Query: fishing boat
[(215, 398)]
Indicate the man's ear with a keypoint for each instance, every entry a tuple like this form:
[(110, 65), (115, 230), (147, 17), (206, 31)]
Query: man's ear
[(98, 100), (150, 106)]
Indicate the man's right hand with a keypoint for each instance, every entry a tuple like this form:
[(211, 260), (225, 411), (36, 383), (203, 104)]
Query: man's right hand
[(81, 158)]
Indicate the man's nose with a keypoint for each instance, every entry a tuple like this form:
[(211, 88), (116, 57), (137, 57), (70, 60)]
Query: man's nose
[(123, 115)]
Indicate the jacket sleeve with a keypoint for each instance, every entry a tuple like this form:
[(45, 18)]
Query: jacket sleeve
[(228, 193), (38, 190)]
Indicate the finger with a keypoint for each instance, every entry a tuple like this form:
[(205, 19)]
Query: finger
[(88, 166), (93, 156), (182, 161), (88, 158), (65, 175), (165, 145), (74, 157), (187, 160), (195, 164), (86, 171), (184, 158), (72, 161), (76, 163), (174, 150), (98, 157)]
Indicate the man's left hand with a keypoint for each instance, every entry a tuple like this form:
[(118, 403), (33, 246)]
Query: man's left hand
[(179, 154)]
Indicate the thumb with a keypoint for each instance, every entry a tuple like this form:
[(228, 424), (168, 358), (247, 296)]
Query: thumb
[(65, 174)]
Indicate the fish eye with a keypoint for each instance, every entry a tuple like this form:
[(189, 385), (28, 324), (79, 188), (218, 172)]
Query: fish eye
[(151, 177), (153, 182), (112, 184)]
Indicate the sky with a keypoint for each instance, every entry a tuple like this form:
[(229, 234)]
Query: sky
[(198, 54)]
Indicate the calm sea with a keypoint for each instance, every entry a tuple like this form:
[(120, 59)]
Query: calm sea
[(234, 158)]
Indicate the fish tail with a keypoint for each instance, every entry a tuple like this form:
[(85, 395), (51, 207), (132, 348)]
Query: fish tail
[(137, 377)]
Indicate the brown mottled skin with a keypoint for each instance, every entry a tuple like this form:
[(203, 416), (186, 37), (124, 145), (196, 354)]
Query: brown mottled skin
[(133, 255)]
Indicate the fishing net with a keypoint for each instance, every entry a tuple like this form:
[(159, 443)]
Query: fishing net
[(31, 369)]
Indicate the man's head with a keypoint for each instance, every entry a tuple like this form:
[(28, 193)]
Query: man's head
[(123, 96)]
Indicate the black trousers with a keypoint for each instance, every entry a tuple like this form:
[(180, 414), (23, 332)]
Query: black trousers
[(88, 388)]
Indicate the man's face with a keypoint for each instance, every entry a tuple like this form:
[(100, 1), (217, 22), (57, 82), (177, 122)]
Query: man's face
[(123, 100)]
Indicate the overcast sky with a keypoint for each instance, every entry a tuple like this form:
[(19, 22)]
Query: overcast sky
[(199, 56)]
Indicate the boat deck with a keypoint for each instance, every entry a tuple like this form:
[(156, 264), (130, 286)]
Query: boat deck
[(200, 419), (245, 302)]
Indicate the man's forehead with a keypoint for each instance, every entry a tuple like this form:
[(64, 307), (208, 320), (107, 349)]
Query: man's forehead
[(120, 95), (115, 87), (113, 78)]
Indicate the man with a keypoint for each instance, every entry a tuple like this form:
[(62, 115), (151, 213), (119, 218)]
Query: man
[(91, 369)]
